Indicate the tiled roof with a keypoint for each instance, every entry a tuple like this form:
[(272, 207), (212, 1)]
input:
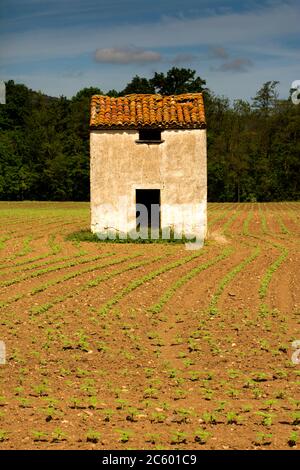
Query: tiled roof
[(137, 111)]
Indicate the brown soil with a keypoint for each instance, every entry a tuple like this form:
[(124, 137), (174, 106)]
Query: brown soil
[(79, 376)]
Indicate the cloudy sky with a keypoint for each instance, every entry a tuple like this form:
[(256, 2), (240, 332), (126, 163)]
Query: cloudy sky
[(60, 46)]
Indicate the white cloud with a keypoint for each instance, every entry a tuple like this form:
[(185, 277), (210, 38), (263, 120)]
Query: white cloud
[(183, 58), (129, 55), (250, 29), (236, 65), (245, 85), (218, 52), (258, 35), (232, 85)]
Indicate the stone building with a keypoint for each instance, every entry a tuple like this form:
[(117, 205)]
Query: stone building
[(148, 150)]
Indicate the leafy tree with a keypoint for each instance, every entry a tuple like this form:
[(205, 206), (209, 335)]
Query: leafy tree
[(177, 81), (253, 148), (87, 93), (18, 106), (266, 96), (113, 93), (138, 85)]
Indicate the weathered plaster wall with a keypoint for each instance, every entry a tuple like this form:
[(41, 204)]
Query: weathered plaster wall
[(177, 167)]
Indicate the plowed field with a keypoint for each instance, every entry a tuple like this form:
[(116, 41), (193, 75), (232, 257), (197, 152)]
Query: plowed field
[(149, 346)]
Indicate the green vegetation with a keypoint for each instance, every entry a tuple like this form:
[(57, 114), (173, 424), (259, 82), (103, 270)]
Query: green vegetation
[(50, 269), (148, 277), (228, 278), (271, 270), (156, 308), (92, 365), (253, 153)]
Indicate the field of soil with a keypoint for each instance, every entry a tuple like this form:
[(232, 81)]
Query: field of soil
[(149, 346)]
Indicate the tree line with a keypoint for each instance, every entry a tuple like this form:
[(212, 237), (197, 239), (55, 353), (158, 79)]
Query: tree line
[(253, 146)]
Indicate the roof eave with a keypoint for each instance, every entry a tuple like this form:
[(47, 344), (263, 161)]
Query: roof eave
[(95, 127)]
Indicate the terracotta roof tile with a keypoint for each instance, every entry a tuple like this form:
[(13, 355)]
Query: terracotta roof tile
[(135, 111)]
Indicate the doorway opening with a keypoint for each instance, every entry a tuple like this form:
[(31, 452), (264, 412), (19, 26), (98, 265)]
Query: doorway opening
[(147, 209)]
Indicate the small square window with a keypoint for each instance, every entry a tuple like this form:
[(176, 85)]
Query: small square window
[(152, 136)]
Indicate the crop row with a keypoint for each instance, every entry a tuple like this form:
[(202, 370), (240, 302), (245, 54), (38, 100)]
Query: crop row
[(148, 277), (156, 308), (218, 217), (3, 240), (282, 226), (230, 221), (48, 262), (26, 245), (55, 248), (271, 270), (228, 278), (68, 277), (50, 269), (95, 282), (245, 230)]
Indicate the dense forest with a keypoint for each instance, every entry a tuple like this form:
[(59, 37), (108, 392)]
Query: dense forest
[(253, 147)]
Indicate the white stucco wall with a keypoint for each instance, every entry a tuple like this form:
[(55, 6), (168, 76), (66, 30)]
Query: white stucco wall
[(177, 167)]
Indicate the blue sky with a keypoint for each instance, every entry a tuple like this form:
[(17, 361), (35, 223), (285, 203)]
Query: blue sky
[(61, 46)]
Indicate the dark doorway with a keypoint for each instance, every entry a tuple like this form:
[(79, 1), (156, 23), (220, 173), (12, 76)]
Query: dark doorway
[(147, 208)]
